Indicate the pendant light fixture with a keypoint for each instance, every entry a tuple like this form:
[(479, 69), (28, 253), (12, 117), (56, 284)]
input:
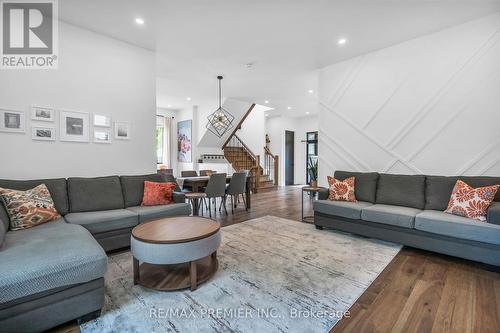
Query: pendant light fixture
[(220, 121)]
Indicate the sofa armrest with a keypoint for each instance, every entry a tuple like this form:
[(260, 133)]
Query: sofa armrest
[(179, 197), (323, 194), (494, 213)]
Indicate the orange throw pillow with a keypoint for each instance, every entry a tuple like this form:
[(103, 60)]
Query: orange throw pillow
[(342, 190), (471, 202), (158, 193)]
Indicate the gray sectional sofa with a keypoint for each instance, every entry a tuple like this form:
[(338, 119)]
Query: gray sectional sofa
[(408, 209), (54, 273)]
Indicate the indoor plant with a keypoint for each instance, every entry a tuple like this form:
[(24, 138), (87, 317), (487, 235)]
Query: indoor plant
[(313, 171)]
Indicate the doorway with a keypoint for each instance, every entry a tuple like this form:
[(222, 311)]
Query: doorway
[(289, 157)]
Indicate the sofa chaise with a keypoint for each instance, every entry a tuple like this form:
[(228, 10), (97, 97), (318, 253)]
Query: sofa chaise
[(409, 209), (54, 273)]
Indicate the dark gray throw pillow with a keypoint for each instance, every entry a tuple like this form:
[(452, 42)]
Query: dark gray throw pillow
[(401, 190), (365, 186)]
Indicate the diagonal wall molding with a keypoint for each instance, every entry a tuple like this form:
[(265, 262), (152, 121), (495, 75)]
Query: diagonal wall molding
[(453, 98)]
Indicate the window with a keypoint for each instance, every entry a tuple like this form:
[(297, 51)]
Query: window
[(160, 139)]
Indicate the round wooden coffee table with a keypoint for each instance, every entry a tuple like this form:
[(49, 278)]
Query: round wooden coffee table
[(175, 253)]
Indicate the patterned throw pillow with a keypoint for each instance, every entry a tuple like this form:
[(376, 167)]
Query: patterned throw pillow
[(471, 202), (158, 193), (29, 208), (342, 190)]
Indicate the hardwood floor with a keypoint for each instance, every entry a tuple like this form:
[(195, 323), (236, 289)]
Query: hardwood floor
[(419, 291)]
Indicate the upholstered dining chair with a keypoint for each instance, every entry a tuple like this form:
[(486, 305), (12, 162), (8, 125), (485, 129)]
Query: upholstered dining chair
[(206, 172), (216, 188), (189, 173), (237, 187)]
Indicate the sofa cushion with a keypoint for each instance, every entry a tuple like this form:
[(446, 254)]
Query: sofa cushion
[(149, 213), (57, 189), (3, 231), (394, 215), (438, 189), (494, 213), (442, 223), (401, 190), (93, 194), (351, 210), (48, 256), (133, 186), (105, 220), (365, 184)]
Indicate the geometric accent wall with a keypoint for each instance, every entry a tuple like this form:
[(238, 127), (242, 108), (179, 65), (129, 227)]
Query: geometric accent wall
[(430, 105)]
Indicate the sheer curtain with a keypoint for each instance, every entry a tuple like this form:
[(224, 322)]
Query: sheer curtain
[(167, 142)]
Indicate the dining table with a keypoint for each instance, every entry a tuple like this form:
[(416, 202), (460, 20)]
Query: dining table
[(197, 183)]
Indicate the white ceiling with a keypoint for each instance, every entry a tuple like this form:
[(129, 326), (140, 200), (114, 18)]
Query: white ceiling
[(285, 40)]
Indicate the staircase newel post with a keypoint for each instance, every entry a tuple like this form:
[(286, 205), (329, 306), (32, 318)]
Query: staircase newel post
[(257, 173), (276, 169)]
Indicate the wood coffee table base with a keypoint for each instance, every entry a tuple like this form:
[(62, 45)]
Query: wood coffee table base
[(175, 277)]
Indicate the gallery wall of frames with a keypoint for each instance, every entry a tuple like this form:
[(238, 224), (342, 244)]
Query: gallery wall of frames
[(51, 124)]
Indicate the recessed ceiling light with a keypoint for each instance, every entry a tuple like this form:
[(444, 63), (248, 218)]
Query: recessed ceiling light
[(169, 105), (310, 91), (289, 107), (139, 21), (342, 41), (188, 98), (267, 102), (307, 112)]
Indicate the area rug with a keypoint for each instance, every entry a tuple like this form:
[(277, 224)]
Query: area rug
[(275, 275)]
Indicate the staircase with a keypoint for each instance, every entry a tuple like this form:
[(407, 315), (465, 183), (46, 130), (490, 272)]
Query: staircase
[(242, 158)]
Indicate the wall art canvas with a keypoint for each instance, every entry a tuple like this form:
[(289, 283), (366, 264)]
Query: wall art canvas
[(101, 120), (74, 126), (102, 135), (122, 130), (43, 133), (12, 121), (40, 113), (184, 148)]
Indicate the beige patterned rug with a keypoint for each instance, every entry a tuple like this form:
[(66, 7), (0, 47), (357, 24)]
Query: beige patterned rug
[(275, 275)]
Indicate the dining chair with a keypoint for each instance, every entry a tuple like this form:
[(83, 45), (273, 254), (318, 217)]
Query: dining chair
[(189, 173), (206, 172), (237, 187), (216, 188)]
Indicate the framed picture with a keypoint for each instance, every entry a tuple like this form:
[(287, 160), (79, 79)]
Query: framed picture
[(74, 126), (43, 133), (40, 113), (184, 151), (101, 120), (122, 130), (12, 121), (102, 135)]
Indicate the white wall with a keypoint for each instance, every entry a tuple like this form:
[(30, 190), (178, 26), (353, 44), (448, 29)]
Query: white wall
[(429, 105), (96, 74), (276, 127)]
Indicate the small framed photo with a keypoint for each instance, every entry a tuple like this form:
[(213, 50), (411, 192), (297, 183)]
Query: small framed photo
[(102, 135), (74, 126), (101, 120), (122, 130), (43, 133), (40, 113), (12, 121)]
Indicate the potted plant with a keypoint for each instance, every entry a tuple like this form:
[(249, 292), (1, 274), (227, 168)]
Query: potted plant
[(313, 171)]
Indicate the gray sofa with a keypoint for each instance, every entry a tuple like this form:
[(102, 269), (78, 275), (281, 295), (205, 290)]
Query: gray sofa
[(54, 273), (408, 209)]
